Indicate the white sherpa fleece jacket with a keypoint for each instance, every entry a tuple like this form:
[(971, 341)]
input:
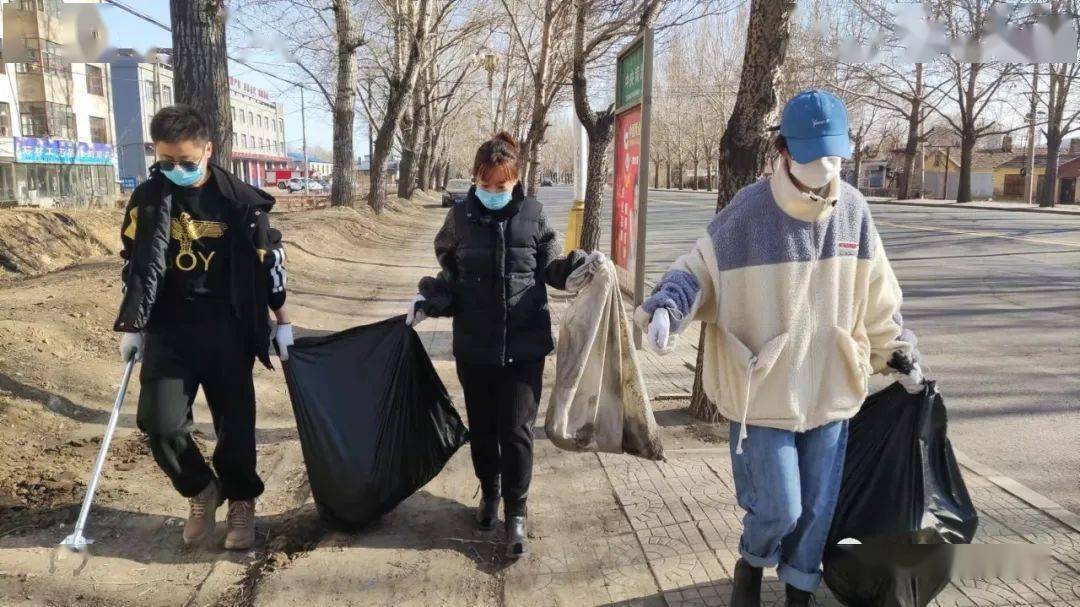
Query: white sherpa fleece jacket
[(799, 302)]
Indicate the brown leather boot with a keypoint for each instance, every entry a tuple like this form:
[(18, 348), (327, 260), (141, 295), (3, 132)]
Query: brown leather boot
[(241, 523), (203, 514)]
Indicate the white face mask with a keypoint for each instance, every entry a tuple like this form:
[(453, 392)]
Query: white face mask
[(817, 173)]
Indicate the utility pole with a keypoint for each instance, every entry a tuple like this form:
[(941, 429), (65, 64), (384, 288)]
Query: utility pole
[(1029, 182), (303, 135)]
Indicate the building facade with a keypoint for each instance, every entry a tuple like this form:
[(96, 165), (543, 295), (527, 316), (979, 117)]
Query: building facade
[(141, 89), (57, 132)]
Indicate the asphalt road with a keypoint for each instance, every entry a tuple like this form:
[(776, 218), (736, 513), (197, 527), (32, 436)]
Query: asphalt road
[(994, 297)]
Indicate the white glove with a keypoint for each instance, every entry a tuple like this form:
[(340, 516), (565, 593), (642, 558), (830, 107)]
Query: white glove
[(283, 338), (415, 315), (596, 256), (131, 344), (659, 337), (912, 382)]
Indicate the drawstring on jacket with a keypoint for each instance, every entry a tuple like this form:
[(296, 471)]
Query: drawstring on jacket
[(746, 405)]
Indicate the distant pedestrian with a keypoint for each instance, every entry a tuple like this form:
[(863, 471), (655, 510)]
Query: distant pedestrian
[(201, 269), (800, 306), (498, 255)]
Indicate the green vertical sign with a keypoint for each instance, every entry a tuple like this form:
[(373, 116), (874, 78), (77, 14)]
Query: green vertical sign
[(631, 72)]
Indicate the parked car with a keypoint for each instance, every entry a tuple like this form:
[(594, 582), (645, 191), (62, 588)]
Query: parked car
[(546, 181), (455, 192), (296, 184)]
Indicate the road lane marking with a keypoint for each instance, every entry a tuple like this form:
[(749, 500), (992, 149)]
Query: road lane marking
[(1060, 243)]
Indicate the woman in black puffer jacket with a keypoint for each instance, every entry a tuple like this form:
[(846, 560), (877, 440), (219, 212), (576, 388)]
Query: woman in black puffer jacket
[(498, 256)]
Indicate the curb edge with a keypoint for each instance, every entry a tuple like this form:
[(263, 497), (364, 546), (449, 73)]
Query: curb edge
[(1016, 489)]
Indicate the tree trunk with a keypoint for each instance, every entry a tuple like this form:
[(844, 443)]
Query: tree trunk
[(745, 142), (395, 106), (911, 148), (201, 68), (694, 184), (1053, 152), (708, 172), (426, 156), (411, 127), (343, 186), (599, 141), (967, 156), (656, 174), (857, 159), (446, 174)]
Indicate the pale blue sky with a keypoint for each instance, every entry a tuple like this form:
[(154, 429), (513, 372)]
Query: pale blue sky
[(126, 30)]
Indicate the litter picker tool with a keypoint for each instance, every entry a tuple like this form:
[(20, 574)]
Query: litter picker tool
[(76, 543)]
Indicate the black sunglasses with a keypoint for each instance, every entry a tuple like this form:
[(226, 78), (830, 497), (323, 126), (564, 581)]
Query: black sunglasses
[(187, 165)]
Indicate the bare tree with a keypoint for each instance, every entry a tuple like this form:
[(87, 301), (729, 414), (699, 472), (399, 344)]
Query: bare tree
[(411, 23), (541, 41), (973, 86), (744, 144), (1062, 111), (321, 40), (349, 39), (201, 67)]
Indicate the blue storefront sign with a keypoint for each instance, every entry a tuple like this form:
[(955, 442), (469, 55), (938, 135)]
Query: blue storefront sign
[(60, 151)]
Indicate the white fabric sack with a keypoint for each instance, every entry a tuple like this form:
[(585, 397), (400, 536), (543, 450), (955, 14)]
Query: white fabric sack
[(599, 401)]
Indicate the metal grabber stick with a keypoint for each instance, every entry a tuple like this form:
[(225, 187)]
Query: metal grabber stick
[(76, 543)]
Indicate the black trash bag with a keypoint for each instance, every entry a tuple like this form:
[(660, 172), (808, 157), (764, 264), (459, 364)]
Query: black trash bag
[(375, 421), (903, 498)]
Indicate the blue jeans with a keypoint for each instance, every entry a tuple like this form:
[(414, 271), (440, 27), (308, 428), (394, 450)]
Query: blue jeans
[(787, 483)]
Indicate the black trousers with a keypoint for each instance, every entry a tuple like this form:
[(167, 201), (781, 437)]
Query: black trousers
[(501, 403), (178, 358)]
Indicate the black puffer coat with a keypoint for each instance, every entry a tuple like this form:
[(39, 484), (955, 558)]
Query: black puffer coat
[(496, 266)]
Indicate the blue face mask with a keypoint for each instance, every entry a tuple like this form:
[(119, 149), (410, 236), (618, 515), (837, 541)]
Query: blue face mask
[(491, 201), (183, 177)]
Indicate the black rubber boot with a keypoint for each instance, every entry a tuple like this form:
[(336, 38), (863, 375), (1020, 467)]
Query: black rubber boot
[(746, 590), (799, 598), (516, 537), (487, 513)]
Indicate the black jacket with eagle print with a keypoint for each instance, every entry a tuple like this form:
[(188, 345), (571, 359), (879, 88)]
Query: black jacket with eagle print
[(257, 258)]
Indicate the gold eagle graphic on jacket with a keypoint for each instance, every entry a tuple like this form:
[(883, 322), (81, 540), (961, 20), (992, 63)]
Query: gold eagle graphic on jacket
[(185, 231)]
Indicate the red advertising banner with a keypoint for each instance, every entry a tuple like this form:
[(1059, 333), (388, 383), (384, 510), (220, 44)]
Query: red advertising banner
[(627, 166)]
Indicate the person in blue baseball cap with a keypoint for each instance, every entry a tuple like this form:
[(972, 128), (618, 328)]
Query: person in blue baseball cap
[(799, 306)]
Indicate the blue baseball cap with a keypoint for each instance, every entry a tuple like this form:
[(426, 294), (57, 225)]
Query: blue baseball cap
[(814, 125)]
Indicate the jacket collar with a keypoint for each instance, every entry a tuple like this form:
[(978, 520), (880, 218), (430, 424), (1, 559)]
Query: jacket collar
[(236, 191), (804, 206)]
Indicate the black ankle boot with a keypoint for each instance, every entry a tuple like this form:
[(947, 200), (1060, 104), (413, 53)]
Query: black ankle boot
[(516, 537), (799, 598), (487, 513), (746, 591)]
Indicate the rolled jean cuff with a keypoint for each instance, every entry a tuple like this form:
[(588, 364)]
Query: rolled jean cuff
[(761, 562), (799, 579)]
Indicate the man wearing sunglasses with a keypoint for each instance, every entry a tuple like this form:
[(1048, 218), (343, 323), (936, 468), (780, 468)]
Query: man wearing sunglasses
[(202, 267)]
